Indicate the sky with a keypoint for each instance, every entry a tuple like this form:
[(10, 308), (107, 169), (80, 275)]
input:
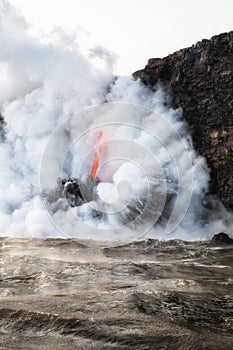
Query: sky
[(135, 30)]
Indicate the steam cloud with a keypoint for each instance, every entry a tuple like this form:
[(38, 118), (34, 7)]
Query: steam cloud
[(54, 100)]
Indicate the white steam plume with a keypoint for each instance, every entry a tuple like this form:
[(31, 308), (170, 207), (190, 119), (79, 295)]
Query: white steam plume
[(47, 91)]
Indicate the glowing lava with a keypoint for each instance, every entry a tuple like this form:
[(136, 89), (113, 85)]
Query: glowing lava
[(97, 154)]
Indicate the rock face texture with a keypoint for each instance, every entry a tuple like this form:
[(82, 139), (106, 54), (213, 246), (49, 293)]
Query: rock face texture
[(199, 79), (1, 127)]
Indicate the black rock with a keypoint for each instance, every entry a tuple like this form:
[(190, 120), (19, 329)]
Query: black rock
[(2, 125), (199, 79), (72, 191), (222, 237)]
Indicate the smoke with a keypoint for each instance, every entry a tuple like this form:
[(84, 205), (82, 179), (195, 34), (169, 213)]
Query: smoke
[(55, 98)]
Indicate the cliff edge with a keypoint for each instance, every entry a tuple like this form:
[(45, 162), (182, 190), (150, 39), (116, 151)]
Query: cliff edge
[(199, 79)]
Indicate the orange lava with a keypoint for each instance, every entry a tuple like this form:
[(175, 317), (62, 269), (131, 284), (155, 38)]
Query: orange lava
[(97, 154)]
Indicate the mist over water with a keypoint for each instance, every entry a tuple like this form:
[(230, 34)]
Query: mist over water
[(55, 98)]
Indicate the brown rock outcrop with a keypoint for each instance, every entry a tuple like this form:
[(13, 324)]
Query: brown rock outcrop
[(199, 79)]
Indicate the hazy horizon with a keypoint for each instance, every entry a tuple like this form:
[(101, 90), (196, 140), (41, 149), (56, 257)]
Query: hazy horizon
[(134, 30)]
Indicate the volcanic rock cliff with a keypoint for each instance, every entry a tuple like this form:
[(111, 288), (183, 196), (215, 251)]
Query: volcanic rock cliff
[(199, 79)]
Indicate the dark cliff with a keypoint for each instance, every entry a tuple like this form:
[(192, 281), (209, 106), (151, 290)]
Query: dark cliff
[(199, 79), (2, 124)]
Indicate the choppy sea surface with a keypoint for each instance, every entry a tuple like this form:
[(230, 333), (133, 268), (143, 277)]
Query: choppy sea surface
[(69, 294)]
